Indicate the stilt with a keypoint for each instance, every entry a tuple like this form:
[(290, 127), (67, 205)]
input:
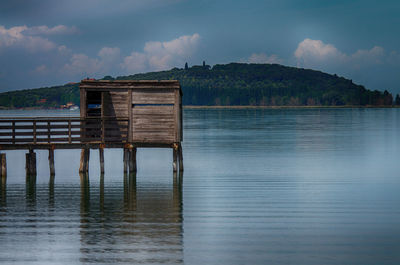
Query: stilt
[(30, 165), (51, 162), (3, 166), (126, 159), (175, 159), (87, 161), (180, 155), (132, 160), (101, 154), (84, 165)]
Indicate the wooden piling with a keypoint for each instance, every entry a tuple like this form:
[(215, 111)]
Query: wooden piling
[(101, 155), (126, 159), (84, 164), (51, 162), (30, 166), (174, 159), (3, 166), (180, 158), (132, 160)]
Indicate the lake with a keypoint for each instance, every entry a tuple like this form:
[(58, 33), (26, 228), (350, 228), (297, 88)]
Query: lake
[(260, 186)]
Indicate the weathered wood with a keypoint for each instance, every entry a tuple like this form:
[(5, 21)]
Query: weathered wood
[(132, 160), (51, 162), (174, 159), (3, 166), (153, 110), (30, 165), (101, 155), (84, 162), (180, 155), (153, 96), (126, 160)]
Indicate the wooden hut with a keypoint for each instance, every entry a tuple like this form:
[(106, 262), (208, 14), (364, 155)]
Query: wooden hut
[(136, 113)]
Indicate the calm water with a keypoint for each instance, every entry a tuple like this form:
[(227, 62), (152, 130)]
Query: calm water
[(297, 186)]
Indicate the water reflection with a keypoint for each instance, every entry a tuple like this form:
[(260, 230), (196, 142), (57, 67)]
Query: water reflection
[(3, 194), (136, 224)]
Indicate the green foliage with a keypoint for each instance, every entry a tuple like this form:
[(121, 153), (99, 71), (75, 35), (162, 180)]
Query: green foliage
[(231, 84), (47, 97), (266, 85), (397, 100)]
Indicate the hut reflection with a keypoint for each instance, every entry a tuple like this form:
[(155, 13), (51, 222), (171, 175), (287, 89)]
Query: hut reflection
[(136, 223)]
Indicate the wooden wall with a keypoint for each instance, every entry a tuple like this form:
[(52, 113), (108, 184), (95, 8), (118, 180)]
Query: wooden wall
[(153, 107)]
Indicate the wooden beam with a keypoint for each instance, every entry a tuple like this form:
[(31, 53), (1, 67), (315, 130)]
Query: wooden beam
[(30, 166), (180, 155), (174, 159), (51, 162), (132, 160), (126, 159), (101, 155)]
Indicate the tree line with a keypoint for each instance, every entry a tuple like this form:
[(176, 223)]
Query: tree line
[(234, 84)]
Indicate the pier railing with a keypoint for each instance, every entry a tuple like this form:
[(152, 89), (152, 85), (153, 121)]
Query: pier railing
[(52, 130)]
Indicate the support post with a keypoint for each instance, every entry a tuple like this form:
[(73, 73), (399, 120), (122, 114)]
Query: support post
[(132, 160), (51, 162), (126, 159), (3, 166), (30, 165), (87, 160), (175, 158), (180, 158), (101, 154), (84, 165)]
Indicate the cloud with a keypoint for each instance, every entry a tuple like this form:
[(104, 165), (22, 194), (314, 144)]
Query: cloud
[(45, 30), (317, 54), (158, 55), (263, 58), (82, 65), (26, 38), (313, 52), (364, 65), (135, 62)]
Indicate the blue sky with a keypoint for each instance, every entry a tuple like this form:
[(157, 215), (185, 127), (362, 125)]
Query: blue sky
[(47, 42)]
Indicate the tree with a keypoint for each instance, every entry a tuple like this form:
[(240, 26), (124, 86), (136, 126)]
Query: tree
[(186, 66), (397, 100), (204, 64)]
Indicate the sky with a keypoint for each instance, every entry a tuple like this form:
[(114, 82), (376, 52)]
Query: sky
[(47, 42)]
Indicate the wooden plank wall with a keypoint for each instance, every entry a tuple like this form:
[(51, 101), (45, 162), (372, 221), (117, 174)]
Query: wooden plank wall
[(153, 115), (115, 104)]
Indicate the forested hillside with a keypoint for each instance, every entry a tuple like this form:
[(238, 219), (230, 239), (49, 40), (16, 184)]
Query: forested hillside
[(232, 84)]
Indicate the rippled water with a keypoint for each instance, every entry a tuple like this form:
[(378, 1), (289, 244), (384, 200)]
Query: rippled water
[(261, 186)]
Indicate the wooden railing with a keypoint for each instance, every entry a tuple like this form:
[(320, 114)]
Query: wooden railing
[(63, 130)]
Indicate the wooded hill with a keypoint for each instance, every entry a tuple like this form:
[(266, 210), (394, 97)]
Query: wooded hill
[(234, 84)]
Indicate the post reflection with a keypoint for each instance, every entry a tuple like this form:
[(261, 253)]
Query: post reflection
[(3, 192), (136, 223)]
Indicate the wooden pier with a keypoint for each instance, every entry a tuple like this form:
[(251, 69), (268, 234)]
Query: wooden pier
[(125, 114)]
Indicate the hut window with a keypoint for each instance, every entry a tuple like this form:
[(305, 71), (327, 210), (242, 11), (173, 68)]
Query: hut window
[(93, 103)]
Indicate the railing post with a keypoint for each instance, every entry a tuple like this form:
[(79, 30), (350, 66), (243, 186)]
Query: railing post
[(13, 132), (103, 128), (69, 131), (48, 132), (34, 131)]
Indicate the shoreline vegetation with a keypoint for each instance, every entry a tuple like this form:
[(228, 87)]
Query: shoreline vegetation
[(235, 85), (243, 107)]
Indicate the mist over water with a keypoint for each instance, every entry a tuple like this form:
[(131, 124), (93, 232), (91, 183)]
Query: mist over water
[(260, 186)]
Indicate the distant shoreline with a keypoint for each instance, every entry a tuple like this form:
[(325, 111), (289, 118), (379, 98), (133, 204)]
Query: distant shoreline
[(290, 107), (242, 107)]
